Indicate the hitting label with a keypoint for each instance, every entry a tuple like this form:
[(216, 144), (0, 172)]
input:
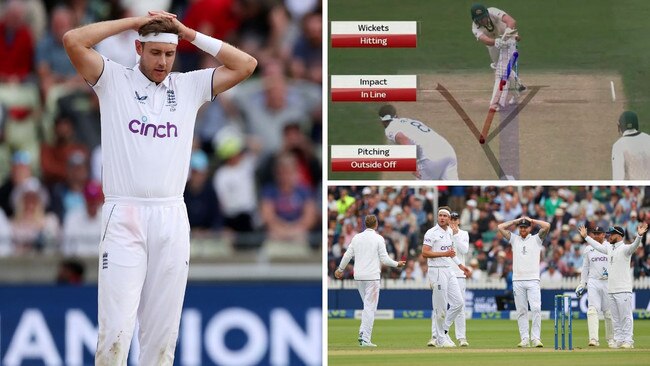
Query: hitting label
[(376, 34), (364, 158)]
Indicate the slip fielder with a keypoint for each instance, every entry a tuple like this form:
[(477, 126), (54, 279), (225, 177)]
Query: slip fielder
[(436, 158), (594, 276), (147, 126), (631, 153), (368, 250)]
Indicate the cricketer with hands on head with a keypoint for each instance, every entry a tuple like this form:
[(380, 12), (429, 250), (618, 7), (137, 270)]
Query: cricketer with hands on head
[(526, 252), (368, 249), (147, 121)]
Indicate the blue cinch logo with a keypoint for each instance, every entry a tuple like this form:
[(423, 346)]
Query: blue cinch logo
[(149, 129)]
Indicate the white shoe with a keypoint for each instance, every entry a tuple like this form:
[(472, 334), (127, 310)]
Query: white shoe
[(447, 344), (613, 344), (432, 342), (463, 342), (627, 345), (367, 344), (593, 343), (523, 344), (537, 343)]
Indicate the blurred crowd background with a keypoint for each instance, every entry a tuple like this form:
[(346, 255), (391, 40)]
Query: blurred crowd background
[(254, 190), (406, 213)]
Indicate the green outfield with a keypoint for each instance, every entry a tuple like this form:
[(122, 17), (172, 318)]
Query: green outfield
[(492, 342), (601, 39)]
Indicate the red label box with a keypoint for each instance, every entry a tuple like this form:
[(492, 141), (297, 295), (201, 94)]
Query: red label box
[(373, 165), (378, 158), (373, 88)]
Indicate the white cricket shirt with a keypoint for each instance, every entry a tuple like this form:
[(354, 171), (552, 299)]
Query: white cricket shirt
[(631, 156), (368, 250), (440, 240), (619, 256), (461, 245), (595, 265), (147, 129), (432, 144), (496, 15), (525, 256)]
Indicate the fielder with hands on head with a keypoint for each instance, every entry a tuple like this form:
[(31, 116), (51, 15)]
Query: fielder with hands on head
[(619, 283), (439, 249), (593, 278), (147, 122), (368, 249), (631, 152), (436, 158), (526, 253)]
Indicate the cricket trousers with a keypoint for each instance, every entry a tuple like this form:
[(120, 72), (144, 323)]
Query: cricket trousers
[(446, 291), (369, 291), (598, 300), (621, 307), (143, 266), (528, 293)]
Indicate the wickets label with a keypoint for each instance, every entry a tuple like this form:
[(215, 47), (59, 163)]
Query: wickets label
[(374, 88), (378, 34)]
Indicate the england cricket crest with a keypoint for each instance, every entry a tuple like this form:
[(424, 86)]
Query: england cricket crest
[(171, 100), (523, 250)]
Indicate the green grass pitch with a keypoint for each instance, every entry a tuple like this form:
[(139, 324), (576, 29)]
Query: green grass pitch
[(557, 35), (492, 342)]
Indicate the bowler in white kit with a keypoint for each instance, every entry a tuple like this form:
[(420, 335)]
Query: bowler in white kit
[(526, 252), (369, 251), (593, 278), (619, 283), (436, 158), (147, 123), (439, 249)]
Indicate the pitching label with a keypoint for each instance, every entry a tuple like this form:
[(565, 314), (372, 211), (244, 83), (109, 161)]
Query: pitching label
[(376, 34), (369, 158), (374, 88)]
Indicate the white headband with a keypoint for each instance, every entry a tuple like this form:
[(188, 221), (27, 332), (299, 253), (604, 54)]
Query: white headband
[(444, 210), (159, 37)]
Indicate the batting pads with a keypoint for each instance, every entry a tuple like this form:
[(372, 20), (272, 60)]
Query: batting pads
[(499, 98)]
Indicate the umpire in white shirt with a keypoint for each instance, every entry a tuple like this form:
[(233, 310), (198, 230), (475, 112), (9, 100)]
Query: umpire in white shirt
[(619, 283), (368, 249)]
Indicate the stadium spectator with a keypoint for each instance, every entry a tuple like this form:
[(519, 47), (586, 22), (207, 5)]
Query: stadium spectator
[(552, 202), (21, 171), (82, 227), (344, 201), (69, 195), (55, 156), (306, 61), (71, 272), (33, 229), (6, 248), (17, 44), (288, 209), (551, 275), (200, 197), (477, 273)]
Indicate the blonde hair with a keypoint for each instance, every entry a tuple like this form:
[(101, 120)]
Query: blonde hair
[(371, 221)]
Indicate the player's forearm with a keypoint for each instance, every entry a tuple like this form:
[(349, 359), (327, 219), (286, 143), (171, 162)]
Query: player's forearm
[(635, 244), (486, 40), (596, 245), (91, 34)]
